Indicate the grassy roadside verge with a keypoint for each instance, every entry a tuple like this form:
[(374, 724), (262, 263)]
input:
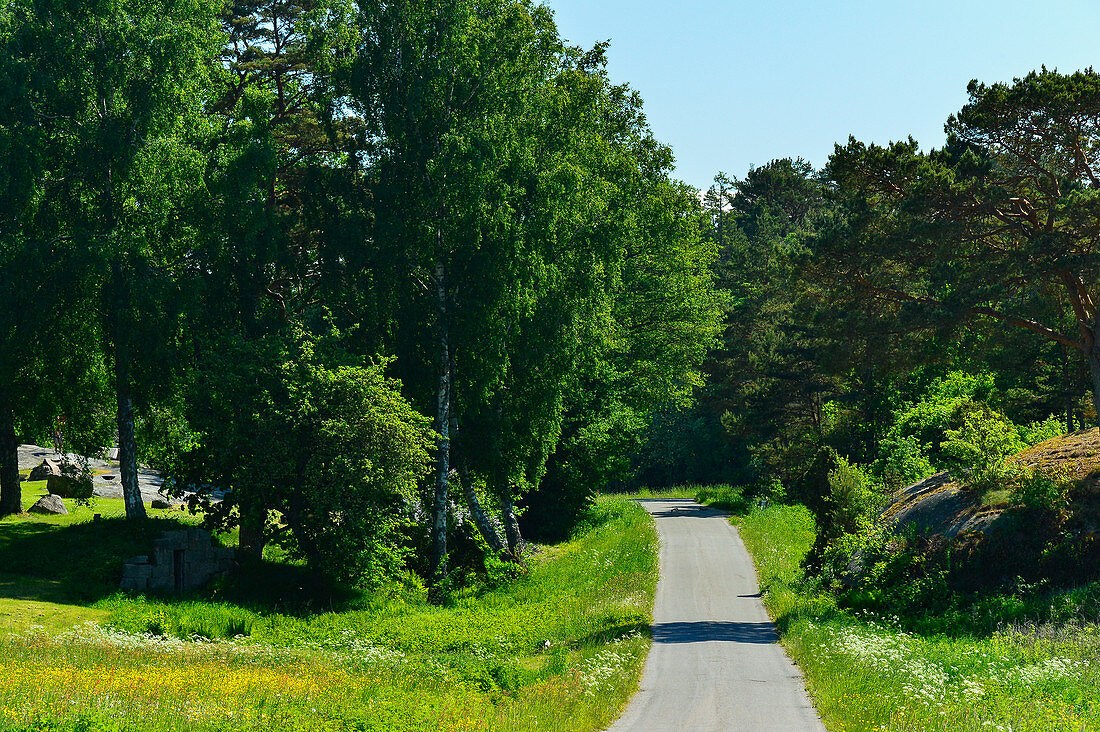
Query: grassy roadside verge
[(560, 648), (865, 673)]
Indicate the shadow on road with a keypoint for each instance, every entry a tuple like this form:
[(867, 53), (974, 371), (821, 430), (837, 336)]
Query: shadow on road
[(687, 508), (704, 631)]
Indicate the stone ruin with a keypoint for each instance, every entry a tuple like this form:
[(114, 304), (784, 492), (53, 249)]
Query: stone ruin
[(181, 561)]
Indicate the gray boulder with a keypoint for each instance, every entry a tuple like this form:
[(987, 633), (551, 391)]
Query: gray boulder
[(45, 470), (50, 505), (62, 485)]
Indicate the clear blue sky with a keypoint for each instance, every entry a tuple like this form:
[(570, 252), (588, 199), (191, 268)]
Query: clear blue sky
[(738, 83)]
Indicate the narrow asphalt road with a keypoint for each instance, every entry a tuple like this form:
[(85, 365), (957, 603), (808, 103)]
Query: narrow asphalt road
[(715, 663)]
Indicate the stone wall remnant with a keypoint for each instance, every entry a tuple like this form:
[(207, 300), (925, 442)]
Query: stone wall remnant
[(181, 561)]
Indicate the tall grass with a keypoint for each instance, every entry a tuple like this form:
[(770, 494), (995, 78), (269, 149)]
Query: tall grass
[(866, 673), (560, 647)]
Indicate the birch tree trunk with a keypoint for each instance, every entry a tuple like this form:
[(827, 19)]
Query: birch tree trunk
[(438, 563), (482, 520), (511, 525), (127, 440)]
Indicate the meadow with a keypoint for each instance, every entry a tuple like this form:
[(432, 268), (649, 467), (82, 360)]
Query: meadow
[(871, 671), (557, 646)]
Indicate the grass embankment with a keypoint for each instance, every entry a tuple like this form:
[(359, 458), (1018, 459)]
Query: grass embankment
[(558, 648), (865, 672)]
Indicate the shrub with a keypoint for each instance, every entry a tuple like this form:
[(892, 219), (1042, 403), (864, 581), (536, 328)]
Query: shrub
[(770, 489), (927, 420), (320, 436), (903, 461), (851, 500), (854, 498), (1044, 490), (978, 450), (1036, 432)]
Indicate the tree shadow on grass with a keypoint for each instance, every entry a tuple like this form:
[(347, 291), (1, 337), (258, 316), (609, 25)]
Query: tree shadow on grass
[(613, 633), (76, 564), (81, 563)]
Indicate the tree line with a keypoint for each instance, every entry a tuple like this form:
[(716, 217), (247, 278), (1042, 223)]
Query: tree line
[(386, 275), (406, 282), (900, 308)]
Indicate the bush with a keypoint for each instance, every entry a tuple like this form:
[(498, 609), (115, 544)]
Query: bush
[(903, 461), (1044, 490), (926, 421), (318, 437), (1036, 432), (854, 498), (978, 450)]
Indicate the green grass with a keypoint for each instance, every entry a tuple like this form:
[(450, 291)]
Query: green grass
[(560, 646), (74, 559), (673, 492), (726, 497), (865, 672), (81, 513), (20, 614)]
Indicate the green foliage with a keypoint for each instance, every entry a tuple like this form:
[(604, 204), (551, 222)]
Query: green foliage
[(351, 453), (903, 460), (368, 448), (766, 390), (924, 422), (1044, 490), (164, 434), (1035, 432), (954, 425), (937, 239), (979, 449), (854, 498)]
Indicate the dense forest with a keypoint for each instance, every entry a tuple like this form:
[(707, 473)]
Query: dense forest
[(409, 281), (383, 275), (901, 312)]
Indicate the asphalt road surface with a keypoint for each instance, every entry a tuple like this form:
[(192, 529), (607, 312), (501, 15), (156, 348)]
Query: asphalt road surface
[(715, 663)]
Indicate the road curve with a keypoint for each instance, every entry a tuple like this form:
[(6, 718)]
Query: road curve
[(715, 663)]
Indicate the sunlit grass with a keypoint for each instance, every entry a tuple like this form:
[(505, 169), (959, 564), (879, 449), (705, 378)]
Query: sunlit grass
[(559, 647), (865, 673), (80, 512), (672, 492)]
